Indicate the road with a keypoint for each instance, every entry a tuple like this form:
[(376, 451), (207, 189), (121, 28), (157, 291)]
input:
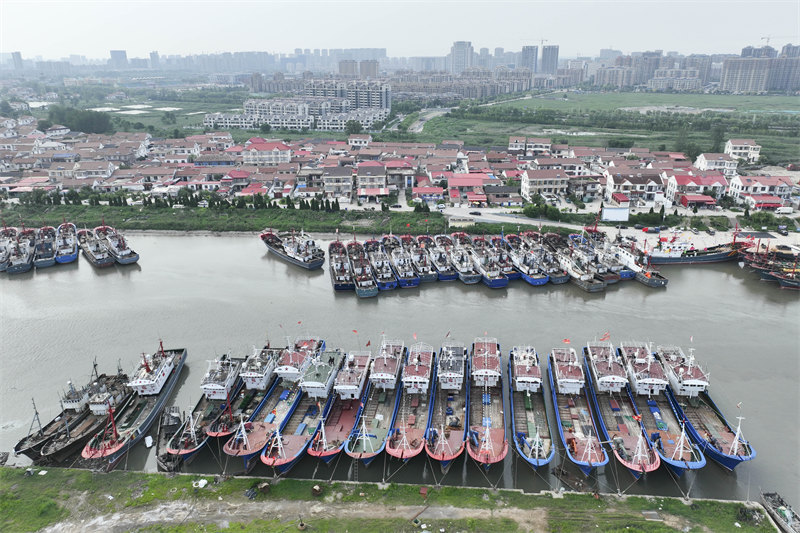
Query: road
[(425, 116)]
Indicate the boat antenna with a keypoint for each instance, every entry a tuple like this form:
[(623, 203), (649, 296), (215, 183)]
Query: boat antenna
[(35, 419), (734, 449)]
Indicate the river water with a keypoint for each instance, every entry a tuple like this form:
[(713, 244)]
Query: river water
[(215, 294)]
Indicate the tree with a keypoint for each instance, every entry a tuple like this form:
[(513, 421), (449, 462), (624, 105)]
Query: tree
[(717, 138), (265, 128), (694, 209), (353, 126), (43, 124), (746, 212)]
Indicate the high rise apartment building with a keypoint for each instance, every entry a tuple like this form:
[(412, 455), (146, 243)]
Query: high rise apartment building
[(461, 56), (550, 59), (529, 58)]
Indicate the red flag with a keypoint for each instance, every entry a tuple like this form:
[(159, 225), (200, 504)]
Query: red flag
[(426, 220), (299, 322), (355, 331), (637, 417), (447, 336), (605, 336), (415, 336), (408, 225), (369, 342), (566, 341), (281, 326)]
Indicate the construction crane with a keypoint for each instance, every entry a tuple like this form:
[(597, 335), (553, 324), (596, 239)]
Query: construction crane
[(768, 37)]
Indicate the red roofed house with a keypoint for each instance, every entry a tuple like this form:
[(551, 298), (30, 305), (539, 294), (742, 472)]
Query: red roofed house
[(711, 183), (763, 201), (266, 154), (742, 186), (400, 173), (253, 189), (571, 166), (428, 194), (465, 182), (697, 200)]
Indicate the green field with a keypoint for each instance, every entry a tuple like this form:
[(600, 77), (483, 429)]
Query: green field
[(608, 101)]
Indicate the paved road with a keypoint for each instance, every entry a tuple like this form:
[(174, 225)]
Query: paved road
[(425, 116)]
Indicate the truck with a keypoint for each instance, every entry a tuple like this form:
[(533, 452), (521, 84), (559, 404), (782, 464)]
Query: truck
[(785, 210)]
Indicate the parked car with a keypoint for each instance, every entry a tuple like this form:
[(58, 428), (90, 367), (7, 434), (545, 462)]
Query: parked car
[(395, 206), (638, 226), (652, 230), (622, 226), (476, 213), (783, 232), (711, 231), (695, 231)]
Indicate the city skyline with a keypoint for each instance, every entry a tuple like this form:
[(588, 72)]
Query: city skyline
[(94, 29)]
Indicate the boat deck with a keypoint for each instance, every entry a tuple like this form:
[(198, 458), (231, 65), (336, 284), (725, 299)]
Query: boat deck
[(338, 425), (658, 417), (410, 425), (264, 423), (576, 421), (710, 426), (298, 431), (447, 420), (530, 418), (486, 410), (377, 418), (618, 416)]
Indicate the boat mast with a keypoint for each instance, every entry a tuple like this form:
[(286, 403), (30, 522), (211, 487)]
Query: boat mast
[(682, 445), (241, 434), (734, 449), (640, 455), (36, 420)]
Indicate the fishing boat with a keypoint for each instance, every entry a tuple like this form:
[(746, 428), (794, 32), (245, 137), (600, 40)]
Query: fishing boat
[(364, 281), (666, 433), (421, 262), (339, 267), (439, 254), (585, 253), (381, 266), (486, 263), (644, 274), (220, 384), (576, 423), (556, 273), (461, 238), (93, 249), (21, 252), (8, 239), (380, 408), (579, 275), (503, 252), (299, 250), (252, 434), (116, 244), (66, 243), (462, 262), (74, 411), (787, 280), (289, 442), (447, 433), (677, 250), (486, 442), (294, 360), (403, 267), (350, 394), (152, 384), (170, 421), (688, 394), (530, 424), (529, 264), (407, 435), (44, 254), (617, 416), (781, 512)]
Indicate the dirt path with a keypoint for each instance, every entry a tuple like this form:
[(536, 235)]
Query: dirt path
[(221, 513)]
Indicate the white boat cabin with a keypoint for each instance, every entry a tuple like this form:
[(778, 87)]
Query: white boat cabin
[(527, 372), (417, 371), (259, 367), (220, 377), (350, 380), (318, 378), (75, 399), (686, 377), (386, 365), (450, 366), (607, 368), (567, 371), (645, 372), (152, 374), (486, 368)]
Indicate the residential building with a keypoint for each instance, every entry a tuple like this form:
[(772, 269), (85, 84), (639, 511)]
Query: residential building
[(359, 140), (722, 162), (368, 68), (712, 184), (570, 166), (267, 154), (550, 59), (746, 149), (536, 146), (371, 175), (552, 181), (637, 184), (337, 182), (348, 68), (529, 58), (745, 75), (118, 60), (743, 186), (460, 56)]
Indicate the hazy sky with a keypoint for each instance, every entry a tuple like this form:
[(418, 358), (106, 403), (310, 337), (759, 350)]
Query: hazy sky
[(57, 28)]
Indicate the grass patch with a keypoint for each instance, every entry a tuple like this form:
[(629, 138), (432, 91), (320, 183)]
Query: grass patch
[(719, 223)]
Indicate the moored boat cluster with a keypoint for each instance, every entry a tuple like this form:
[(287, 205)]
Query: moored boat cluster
[(643, 406), (25, 248)]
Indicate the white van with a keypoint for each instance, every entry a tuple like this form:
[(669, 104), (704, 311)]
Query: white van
[(787, 210)]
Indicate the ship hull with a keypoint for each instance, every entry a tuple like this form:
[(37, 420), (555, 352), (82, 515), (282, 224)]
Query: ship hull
[(366, 457), (585, 466), (653, 280), (408, 283), (67, 258), (44, 262), (717, 257), (367, 292), (469, 279), (537, 401), (128, 259), (310, 265), (20, 268), (592, 285), (536, 280), (558, 279), (387, 285), (495, 283)]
